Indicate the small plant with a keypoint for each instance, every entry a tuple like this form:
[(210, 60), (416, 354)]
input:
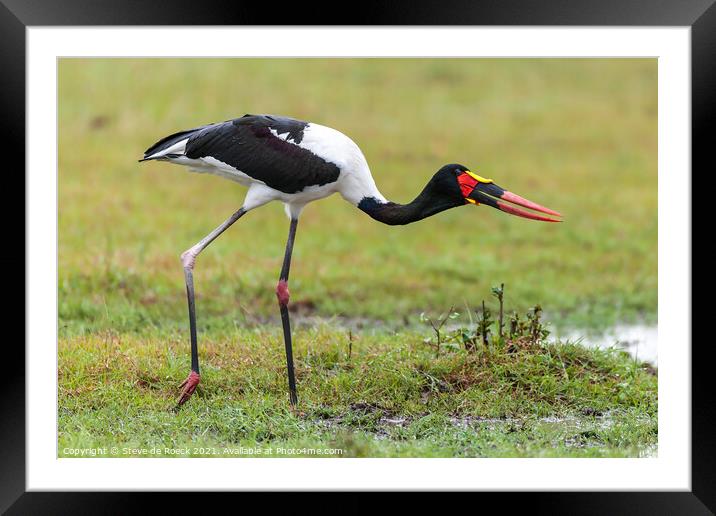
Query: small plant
[(467, 336), (499, 293), (523, 331), (537, 331), (437, 325), (484, 322), (515, 324), (350, 344)]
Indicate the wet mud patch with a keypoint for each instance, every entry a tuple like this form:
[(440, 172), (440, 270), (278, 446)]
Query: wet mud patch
[(585, 430)]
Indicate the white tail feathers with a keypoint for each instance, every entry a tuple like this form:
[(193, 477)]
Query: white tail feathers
[(176, 148)]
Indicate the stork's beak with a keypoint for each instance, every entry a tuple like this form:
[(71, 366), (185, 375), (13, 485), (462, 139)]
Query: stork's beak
[(479, 190)]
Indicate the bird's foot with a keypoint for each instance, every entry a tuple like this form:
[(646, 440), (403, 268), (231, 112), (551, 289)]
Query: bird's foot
[(188, 387)]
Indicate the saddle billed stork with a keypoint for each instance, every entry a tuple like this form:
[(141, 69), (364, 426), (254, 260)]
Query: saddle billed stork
[(296, 162)]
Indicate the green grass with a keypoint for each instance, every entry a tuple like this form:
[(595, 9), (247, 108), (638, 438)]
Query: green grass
[(388, 396), (579, 136)]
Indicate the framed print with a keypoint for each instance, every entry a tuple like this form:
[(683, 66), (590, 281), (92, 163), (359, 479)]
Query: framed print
[(182, 335)]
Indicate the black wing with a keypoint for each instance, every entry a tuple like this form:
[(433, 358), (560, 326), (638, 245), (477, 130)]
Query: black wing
[(248, 144)]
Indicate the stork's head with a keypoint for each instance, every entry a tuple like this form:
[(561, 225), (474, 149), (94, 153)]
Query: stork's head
[(466, 187)]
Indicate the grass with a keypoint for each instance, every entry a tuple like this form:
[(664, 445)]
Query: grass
[(576, 135), (388, 396)]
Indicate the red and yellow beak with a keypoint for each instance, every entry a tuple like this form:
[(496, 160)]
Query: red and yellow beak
[(479, 190)]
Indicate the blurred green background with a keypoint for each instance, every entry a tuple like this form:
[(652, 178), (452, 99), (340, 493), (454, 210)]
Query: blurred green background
[(577, 135)]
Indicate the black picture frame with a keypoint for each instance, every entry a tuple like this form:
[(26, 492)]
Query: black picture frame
[(17, 15)]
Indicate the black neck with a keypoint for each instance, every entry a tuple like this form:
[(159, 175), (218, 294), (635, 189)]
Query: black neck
[(424, 205)]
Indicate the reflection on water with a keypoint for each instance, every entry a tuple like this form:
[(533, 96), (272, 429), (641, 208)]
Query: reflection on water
[(640, 340)]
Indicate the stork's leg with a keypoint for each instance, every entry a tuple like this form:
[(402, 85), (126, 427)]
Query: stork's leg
[(283, 296), (188, 258)]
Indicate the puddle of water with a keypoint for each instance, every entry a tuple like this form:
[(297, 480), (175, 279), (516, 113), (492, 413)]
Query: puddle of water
[(650, 452), (639, 340), (602, 421), (393, 421)]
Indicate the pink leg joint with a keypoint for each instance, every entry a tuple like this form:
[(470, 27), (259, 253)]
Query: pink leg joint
[(188, 258), (282, 293)]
